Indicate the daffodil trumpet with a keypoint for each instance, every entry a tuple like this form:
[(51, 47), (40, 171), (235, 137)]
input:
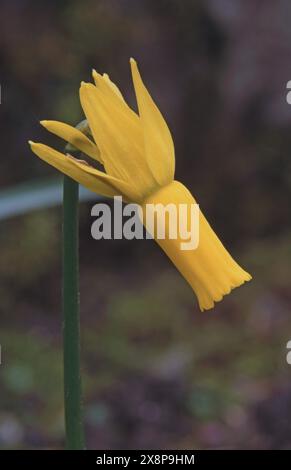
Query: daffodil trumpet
[(137, 153)]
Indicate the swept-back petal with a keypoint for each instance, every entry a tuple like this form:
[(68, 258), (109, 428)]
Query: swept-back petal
[(104, 80), (118, 135), (74, 136), (109, 89), (158, 141), (113, 86), (93, 179)]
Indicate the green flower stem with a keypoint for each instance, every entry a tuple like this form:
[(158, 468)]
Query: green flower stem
[(71, 318)]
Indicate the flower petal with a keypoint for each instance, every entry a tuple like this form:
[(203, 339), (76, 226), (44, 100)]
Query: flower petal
[(94, 180), (118, 134), (158, 141), (73, 136), (100, 80), (113, 86)]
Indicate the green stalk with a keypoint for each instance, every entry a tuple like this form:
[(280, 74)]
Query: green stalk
[(71, 318)]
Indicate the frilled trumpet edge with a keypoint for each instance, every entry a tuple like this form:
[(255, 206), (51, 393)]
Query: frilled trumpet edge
[(209, 268)]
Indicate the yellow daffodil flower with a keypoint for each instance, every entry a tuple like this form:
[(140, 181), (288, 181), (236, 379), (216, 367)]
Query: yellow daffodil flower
[(137, 153)]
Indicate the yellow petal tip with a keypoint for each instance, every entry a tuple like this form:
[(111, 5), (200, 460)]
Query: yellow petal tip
[(132, 60), (96, 76), (87, 85)]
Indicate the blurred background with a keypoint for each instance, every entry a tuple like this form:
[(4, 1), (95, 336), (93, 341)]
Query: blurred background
[(158, 373)]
